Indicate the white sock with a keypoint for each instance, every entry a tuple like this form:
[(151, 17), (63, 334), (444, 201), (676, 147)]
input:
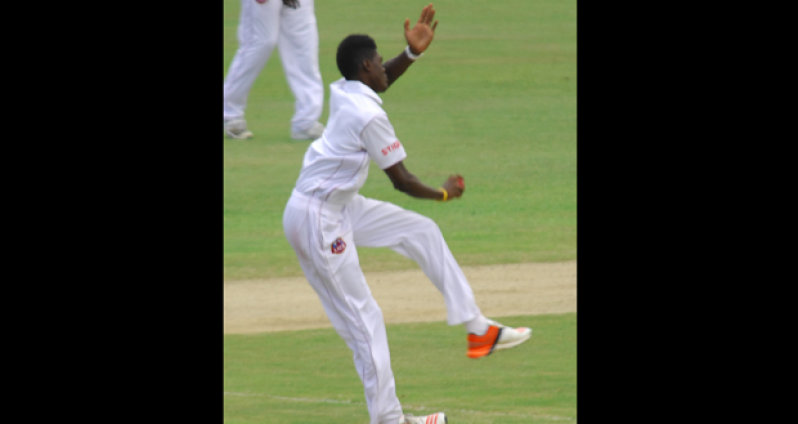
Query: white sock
[(478, 325)]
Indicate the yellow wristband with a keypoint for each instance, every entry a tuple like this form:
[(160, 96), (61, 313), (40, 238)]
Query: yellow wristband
[(445, 194)]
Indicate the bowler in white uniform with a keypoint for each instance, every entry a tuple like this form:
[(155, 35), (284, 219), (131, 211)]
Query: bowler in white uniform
[(326, 221)]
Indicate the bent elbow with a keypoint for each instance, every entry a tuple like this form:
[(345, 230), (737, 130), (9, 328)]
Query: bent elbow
[(400, 185)]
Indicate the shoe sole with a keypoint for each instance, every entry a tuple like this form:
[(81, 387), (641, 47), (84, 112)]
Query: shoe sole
[(245, 136)]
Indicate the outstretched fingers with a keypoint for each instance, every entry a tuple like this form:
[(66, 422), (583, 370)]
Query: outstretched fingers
[(423, 14), (427, 16), (435, 25), (430, 14)]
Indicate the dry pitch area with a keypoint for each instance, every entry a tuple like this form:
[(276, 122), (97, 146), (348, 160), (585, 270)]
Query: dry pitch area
[(408, 296)]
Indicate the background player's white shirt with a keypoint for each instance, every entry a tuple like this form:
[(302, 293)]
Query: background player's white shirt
[(336, 165)]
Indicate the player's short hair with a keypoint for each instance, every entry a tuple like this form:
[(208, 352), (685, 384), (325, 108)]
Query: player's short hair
[(352, 52)]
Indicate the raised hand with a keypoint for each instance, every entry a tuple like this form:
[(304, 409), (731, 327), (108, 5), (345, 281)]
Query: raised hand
[(422, 34)]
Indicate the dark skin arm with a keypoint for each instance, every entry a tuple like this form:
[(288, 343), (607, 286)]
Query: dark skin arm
[(417, 38), (409, 184)]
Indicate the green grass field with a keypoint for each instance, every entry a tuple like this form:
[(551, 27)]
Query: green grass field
[(308, 377), (493, 99)]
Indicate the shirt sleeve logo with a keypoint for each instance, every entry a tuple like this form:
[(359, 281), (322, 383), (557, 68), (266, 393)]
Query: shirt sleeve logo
[(338, 246), (396, 144)]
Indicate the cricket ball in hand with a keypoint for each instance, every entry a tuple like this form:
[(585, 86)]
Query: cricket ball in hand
[(460, 183)]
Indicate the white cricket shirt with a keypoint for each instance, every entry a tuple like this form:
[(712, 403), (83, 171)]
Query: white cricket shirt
[(358, 131)]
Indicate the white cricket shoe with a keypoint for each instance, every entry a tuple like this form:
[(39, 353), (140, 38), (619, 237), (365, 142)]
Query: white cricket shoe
[(497, 337), (510, 337), (437, 418), (237, 128), (312, 133)]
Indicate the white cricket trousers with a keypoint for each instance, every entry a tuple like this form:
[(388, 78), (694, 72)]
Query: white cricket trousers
[(262, 27), (312, 225)]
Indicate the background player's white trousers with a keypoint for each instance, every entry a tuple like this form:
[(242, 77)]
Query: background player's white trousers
[(260, 29), (312, 225)]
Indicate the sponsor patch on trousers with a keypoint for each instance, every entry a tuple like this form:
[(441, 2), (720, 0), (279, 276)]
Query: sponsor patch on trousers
[(338, 246)]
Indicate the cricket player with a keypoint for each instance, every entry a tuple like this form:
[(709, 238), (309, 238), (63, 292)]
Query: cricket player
[(291, 27), (326, 220)]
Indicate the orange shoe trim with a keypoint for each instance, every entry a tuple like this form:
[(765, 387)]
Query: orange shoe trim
[(479, 346)]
